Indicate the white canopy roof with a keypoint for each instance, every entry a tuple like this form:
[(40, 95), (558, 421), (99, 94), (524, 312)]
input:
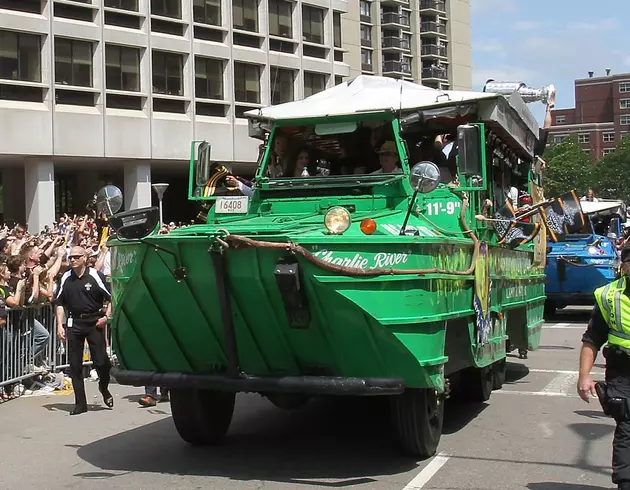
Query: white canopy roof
[(366, 93), (590, 207)]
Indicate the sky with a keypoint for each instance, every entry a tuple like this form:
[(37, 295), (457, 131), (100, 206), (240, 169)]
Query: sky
[(548, 42)]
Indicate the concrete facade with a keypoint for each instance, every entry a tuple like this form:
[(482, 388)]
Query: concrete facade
[(424, 41), (113, 91), (601, 116)]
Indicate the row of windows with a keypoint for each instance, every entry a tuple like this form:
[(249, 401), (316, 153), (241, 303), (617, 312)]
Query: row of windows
[(20, 60), (586, 138), (244, 16), (624, 119)]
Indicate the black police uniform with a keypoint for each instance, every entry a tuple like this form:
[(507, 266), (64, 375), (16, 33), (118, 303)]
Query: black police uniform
[(618, 386), (83, 298)]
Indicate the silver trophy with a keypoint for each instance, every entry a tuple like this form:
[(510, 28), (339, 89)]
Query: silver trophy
[(547, 95)]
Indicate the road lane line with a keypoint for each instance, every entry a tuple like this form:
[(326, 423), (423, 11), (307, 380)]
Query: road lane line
[(561, 383), (535, 393), (568, 326), (560, 371), (428, 472)]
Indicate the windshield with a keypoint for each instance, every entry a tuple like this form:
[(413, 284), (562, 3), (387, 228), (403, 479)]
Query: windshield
[(307, 151)]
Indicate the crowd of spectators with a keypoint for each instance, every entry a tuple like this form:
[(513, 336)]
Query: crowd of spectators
[(31, 265)]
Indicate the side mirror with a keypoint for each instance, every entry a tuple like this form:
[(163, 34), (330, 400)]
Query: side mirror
[(109, 200), (424, 177), (136, 223), (202, 167), (469, 149)]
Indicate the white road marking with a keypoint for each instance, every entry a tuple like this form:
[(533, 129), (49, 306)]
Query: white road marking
[(561, 383), (428, 472), (535, 393), (565, 325), (559, 371)]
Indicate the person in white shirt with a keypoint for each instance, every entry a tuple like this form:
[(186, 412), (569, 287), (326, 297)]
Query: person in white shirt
[(388, 158), (590, 196)]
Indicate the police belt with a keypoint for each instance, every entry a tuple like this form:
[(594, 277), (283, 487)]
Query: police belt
[(87, 316)]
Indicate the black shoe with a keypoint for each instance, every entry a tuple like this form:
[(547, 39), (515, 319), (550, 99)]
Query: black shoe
[(108, 399), (78, 410)]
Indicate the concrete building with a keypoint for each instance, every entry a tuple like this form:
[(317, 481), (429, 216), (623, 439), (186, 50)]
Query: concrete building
[(114, 91), (424, 41), (601, 116)]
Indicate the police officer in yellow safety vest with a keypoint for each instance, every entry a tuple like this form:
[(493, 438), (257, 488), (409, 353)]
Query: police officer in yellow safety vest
[(610, 325)]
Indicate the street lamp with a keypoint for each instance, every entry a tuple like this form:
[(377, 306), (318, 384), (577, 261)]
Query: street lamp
[(160, 189)]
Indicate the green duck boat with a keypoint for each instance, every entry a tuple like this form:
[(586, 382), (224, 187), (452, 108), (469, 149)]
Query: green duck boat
[(363, 260)]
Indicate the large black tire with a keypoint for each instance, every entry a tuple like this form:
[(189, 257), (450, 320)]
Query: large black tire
[(498, 375), (202, 417), (477, 383), (550, 308), (418, 416)]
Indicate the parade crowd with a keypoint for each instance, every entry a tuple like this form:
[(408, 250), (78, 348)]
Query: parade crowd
[(31, 266)]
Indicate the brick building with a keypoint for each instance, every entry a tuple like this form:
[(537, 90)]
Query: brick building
[(601, 116)]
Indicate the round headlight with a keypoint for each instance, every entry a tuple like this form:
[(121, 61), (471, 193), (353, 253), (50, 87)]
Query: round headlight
[(337, 220), (592, 250)]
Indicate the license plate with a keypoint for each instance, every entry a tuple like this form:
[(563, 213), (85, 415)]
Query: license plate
[(232, 205)]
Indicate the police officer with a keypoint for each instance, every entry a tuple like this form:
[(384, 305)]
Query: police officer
[(610, 324), (83, 291)]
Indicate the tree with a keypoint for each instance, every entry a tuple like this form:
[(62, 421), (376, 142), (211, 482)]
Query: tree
[(568, 168), (612, 178)]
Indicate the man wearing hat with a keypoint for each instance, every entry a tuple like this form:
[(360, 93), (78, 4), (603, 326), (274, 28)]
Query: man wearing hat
[(388, 158), (610, 325)]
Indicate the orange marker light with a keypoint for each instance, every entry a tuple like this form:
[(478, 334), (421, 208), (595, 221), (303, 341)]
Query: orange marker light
[(368, 226)]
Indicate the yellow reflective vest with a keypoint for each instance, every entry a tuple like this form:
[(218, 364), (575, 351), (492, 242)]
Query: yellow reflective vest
[(615, 308)]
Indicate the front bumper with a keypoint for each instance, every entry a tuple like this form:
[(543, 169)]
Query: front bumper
[(308, 385)]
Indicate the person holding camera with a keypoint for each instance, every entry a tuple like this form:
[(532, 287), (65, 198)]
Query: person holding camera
[(610, 325)]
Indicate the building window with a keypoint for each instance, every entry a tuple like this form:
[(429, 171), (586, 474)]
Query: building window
[(20, 56), (337, 29), (312, 25), (558, 139), (608, 137), (167, 73), (584, 138), (624, 103), (607, 151), (624, 87), (123, 4), (365, 9), (624, 119), (561, 119), (282, 85), (280, 23), (207, 12), (247, 83), (122, 68), (366, 59), (167, 8), (313, 83), (73, 62), (366, 34), (245, 14), (209, 78), (338, 80)]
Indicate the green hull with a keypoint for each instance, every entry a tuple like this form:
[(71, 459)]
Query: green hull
[(415, 328)]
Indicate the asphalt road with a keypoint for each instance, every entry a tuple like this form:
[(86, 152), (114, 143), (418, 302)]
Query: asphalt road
[(533, 434)]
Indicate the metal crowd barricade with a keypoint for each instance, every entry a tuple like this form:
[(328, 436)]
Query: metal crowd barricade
[(17, 344)]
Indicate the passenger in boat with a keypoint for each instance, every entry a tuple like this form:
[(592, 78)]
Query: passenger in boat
[(304, 165), (389, 159)]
